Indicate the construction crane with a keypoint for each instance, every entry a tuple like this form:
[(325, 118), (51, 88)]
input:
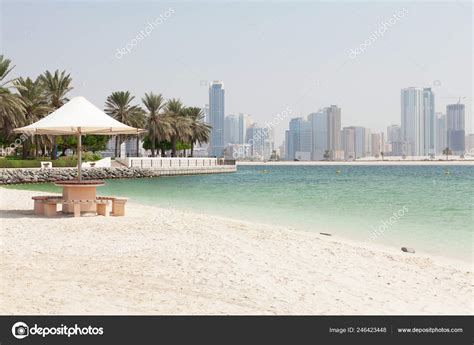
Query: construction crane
[(459, 98)]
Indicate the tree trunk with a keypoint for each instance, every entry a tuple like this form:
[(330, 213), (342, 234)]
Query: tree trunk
[(138, 146), (26, 149), (173, 146), (36, 139), (53, 148), (192, 148), (116, 146), (152, 138)]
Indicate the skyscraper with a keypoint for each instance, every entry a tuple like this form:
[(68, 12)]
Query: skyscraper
[(470, 144), (319, 128), (298, 139), (216, 118), (334, 132), (348, 140), (393, 133), (231, 130), (377, 144), (455, 128), (417, 120), (206, 113), (429, 121), (397, 147), (362, 141), (326, 133), (244, 123), (441, 135), (261, 141)]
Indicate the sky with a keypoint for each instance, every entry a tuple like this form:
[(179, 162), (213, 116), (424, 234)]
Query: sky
[(271, 56)]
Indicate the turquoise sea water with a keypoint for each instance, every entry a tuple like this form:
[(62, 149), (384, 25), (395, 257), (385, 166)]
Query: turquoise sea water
[(434, 210)]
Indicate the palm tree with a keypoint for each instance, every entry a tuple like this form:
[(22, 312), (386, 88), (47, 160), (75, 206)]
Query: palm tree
[(118, 105), (327, 155), (447, 152), (180, 123), (159, 125), (11, 105), (35, 105), (140, 122), (200, 130), (56, 86)]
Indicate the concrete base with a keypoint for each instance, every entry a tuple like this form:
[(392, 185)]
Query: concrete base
[(79, 192)]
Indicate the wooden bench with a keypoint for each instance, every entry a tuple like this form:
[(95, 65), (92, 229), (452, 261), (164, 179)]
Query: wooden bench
[(118, 205)]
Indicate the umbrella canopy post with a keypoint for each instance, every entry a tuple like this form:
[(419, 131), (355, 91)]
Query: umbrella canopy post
[(79, 155)]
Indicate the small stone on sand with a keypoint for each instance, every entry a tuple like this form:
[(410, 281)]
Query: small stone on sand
[(408, 250)]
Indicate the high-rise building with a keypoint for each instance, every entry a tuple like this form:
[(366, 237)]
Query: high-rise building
[(394, 139), (319, 134), (348, 142), (282, 149), (417, 120), (244, 123), (216, 118), (205, 110), (298, 139), (326, 133), (231, 130), (455, 128), (429, 119), (470, 144), (441, 134), (334, 132), (362, 141), (261, 141), (377, 144), (393, 133)]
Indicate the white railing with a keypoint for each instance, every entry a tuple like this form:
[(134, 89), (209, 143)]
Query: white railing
[(164, 163)]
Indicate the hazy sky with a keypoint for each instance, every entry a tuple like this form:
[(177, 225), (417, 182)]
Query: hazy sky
[(270, 55)]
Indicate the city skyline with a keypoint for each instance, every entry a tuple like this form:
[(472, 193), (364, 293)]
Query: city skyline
[(269, 56), (420, 132)]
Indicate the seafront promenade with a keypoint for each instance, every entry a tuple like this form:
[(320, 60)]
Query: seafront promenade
[(124, 168)]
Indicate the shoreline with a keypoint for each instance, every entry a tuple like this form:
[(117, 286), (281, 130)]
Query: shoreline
[(360, 163), (166, 261), (389, 249)]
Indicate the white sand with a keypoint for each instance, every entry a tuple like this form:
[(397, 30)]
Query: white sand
[(159, 261)]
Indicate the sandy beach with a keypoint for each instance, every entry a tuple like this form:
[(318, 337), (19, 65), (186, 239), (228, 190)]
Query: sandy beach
[(163, 261)]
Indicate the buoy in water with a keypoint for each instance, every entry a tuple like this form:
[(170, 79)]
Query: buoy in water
[(338, 171)]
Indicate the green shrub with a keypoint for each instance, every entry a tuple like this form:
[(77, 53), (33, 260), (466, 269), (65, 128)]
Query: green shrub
[(35, 163), (19, 163), (90, 156)]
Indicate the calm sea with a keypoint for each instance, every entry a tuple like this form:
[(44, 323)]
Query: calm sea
[(417, 206)]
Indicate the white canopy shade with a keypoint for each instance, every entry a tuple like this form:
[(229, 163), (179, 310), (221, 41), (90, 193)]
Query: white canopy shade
[(78, 116)]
